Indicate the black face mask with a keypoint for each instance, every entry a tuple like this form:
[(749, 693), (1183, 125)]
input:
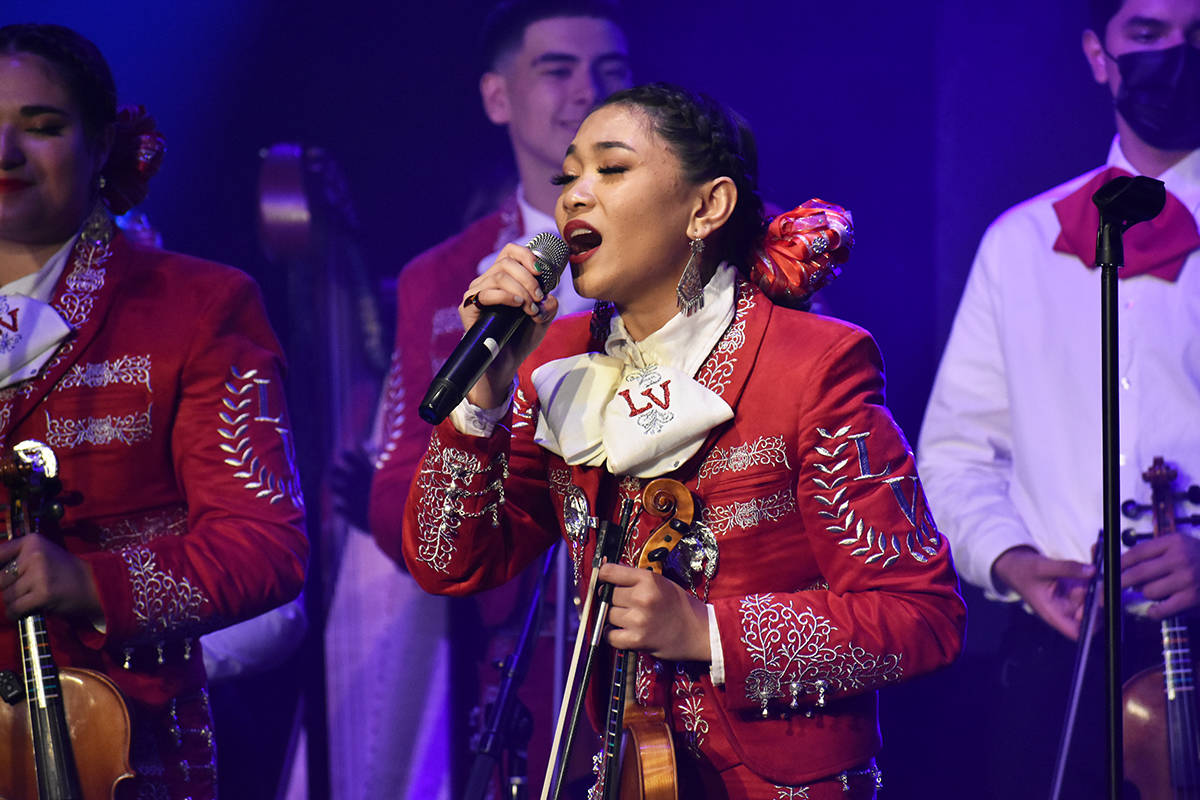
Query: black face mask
[(1160, 96)]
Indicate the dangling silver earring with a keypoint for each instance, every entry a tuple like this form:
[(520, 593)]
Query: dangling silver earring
[(101, 183), (689, 292)]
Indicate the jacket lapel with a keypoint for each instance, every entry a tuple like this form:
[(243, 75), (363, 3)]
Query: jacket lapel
[(83, 297)]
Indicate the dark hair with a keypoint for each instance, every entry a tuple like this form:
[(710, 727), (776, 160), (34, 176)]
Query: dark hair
[(79, 64), (710, 141), (1100, 13), (504, 28)]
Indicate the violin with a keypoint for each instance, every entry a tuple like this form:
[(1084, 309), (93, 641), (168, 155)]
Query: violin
[(68, 732), (638, 756), (638, 738), (1161, 727)]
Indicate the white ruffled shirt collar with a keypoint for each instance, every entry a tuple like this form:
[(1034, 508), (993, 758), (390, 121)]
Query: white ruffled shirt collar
[(636, 408)]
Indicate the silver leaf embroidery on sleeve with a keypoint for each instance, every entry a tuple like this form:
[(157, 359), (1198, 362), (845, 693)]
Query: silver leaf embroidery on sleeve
[(393, 411), (844, 459), (247, 404), (447, 476), (161, 601), (793, 654)]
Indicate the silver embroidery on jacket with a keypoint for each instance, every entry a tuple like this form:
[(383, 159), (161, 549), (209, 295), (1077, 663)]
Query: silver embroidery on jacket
[(522, 416), (144, 528), (124, 369), (793, 648), (393, 413), (765, 451), (689, 696), (717, 370), (844, 454), (447, 475), (127, 429), (245, 403), (161, 601), (750, 513)]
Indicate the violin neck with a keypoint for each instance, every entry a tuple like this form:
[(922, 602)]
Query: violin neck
[(57, 778), (1183, 731), (611, 755)]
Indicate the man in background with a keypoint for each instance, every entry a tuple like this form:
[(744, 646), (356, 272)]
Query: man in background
[(1010, 450), (546, 65)]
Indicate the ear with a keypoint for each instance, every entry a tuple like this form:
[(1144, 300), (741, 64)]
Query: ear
[(1093, 51), (493, 90), (102, 147), (715, 201)]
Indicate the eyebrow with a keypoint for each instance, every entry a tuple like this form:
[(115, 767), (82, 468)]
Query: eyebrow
[(33, 111), (555, 58), (607, 145)]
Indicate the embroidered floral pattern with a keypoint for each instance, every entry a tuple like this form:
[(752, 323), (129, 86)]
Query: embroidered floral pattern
[(126, 369), (393, 418), (161, 601), (791, 792), (748, 514), (445, 478), (765, 451), (689, 696), (717, 370), (144, 528), (840, 455), (127, 429), (791, 647), (237, 441)]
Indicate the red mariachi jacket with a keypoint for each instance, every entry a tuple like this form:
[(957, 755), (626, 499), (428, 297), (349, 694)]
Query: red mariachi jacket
[(815, 544), (428, 293), (165, 408)]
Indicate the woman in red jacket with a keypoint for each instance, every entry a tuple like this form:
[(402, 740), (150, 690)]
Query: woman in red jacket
[(816, 573), (156, 380)]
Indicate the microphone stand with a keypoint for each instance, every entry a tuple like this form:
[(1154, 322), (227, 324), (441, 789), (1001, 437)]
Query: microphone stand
[(507, 729), (1122, 202)]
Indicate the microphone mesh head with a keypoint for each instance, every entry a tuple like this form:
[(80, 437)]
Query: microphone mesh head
[(551, 254)]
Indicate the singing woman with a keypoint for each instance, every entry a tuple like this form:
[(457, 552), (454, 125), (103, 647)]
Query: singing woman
[(816, 574)]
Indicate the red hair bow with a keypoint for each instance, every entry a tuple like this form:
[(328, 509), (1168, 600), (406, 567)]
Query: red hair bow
[(801, 251), (137, 153)]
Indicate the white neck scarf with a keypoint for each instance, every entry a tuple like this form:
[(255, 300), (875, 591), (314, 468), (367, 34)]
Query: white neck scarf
[(30, 328), (636, 407)]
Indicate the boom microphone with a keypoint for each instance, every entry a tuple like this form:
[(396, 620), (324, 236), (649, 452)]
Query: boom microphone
[(495, 326)]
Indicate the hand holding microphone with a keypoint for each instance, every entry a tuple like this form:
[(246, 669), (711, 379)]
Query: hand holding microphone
[(513, 295)]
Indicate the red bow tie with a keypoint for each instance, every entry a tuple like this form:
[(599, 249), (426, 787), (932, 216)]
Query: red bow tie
[(1158, 247)]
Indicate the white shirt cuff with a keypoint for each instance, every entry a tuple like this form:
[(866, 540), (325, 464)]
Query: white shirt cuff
[(716, 670), (471, 420)]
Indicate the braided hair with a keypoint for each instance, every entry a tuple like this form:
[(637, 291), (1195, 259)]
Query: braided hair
[(79, 65), (710, 141)]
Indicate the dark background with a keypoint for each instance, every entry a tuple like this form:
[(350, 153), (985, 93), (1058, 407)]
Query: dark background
[(925, 118)]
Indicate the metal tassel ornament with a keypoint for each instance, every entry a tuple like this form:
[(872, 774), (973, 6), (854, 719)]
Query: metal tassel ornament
[(689, 292)]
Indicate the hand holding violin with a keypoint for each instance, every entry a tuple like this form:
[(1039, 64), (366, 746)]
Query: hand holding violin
[(41, 576), (653, 615), (1166, 569), (511, 281)]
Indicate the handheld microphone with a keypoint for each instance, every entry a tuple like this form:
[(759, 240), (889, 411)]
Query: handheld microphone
[(1123, 202), (481, 344)]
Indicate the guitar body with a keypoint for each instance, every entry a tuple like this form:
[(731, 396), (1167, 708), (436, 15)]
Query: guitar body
[(98, 725)]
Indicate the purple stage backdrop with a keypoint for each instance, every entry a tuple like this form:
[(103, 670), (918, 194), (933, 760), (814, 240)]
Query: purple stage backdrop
[(925, 118)]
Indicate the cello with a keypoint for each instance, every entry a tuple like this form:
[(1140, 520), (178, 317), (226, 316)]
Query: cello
[(1160, 722), (65, 732)]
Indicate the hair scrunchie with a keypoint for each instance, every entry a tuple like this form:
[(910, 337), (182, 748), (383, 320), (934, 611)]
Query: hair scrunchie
[(802, 251), (136, 155)]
